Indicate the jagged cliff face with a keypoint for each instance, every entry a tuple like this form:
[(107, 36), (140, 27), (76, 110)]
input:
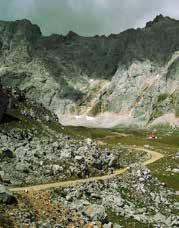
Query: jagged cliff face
[(127, 79)]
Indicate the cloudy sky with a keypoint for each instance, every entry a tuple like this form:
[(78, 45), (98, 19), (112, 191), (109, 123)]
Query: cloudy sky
[(87, 17)]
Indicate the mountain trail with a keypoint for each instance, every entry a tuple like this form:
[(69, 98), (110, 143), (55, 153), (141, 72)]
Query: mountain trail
[(154, 156)]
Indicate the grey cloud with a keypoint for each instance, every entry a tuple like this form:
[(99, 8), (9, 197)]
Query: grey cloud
[(87, 17)]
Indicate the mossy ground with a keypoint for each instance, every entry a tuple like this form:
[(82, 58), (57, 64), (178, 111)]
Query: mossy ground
[(127, 223)]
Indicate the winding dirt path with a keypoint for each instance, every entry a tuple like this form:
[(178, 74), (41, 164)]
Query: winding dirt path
[(154, 156)]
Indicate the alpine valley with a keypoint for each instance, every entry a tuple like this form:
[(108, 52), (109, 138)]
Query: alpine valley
[(89, 127)]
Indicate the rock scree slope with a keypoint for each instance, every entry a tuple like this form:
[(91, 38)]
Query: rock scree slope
[(155, 156), (126, 79)]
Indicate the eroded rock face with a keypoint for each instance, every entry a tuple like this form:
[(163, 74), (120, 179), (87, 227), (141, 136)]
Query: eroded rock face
[(133, 74), (3, 102)]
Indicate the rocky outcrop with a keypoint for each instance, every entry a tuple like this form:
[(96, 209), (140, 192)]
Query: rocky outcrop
[(129, 78), (6, 197)]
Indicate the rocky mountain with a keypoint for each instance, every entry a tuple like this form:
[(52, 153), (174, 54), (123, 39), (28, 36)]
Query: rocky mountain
[(126, 79)]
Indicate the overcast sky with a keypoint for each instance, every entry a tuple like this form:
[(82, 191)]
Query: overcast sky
[(87, 17)]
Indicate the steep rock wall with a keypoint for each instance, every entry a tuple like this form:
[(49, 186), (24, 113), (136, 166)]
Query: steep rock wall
[(129, 78)]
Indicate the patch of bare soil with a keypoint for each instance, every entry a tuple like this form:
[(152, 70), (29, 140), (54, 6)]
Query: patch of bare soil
[(34, 207)]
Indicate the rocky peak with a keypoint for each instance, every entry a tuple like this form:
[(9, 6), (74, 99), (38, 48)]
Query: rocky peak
[(71, 35), (26, 27), (18, 40), (18, 30), (160, 19)]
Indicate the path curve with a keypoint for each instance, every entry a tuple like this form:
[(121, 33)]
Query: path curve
[(154, 157)]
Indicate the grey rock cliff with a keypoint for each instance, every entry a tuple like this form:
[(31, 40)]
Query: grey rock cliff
[(129, 78)]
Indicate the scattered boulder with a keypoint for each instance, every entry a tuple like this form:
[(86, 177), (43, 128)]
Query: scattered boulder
[(56, 169), (177, 155), (6, 197), (96, 213), (108, 225), (6, 153), (175, 170)]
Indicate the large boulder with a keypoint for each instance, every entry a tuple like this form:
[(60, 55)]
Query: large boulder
[(6, 197), (6, 154), (96, 213)]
